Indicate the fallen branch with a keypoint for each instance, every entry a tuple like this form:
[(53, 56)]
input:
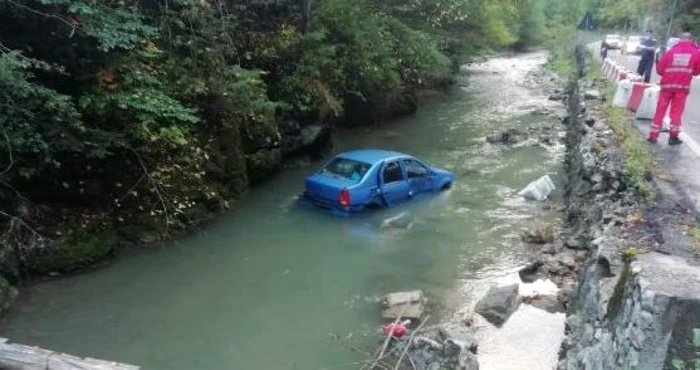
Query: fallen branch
[(156, 189), (410, 340), (14, 219), (389, 335)]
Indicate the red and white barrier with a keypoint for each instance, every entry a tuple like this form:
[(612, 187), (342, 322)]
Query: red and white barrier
[(622, 74), (647, 106), (636, 95), (622, 93), (634, 77), (609, 72), (607, 65)]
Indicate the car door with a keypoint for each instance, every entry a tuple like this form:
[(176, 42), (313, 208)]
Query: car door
[(394, 187), (418, 174)]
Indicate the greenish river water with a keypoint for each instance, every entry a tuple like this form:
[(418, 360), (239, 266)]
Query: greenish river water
[(265, 285)]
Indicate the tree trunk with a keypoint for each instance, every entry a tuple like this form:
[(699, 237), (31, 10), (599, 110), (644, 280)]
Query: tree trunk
[(305, 15)]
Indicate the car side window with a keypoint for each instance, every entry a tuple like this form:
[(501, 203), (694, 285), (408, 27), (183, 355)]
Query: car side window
[(415, 169), (392, 173)]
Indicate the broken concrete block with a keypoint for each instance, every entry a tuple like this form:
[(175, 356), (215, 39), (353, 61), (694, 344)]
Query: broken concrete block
[(410, 305)]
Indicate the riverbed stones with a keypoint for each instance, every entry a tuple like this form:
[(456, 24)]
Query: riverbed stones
[(410, 305), (431, 352), (462, 337), (541, 234), (530, 273), (499, 303), (549, 303), (591, 94), (510, 137)]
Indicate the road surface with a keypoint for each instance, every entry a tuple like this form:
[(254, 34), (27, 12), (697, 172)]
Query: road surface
[(682, 161)]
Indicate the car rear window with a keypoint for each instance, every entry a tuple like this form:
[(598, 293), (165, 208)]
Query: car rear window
[(346, 168)]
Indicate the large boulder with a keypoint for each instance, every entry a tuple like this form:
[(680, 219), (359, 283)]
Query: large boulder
[(263, 164), (499, 303), (410, 305), (314, 139), (72, 252), (363, 111)]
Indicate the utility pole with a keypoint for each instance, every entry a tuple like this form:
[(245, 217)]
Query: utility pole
[(670, 22)]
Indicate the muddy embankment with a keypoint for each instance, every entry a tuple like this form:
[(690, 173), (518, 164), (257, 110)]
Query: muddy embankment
[(636, 304)]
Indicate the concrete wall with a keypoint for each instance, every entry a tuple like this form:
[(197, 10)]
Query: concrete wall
[(21, 357)]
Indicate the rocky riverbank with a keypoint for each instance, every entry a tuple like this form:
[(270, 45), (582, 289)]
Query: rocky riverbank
[(626, 269), (636, 300)]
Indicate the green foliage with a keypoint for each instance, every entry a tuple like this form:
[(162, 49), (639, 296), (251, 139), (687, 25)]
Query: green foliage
[(561, 45), (31, 114), (629, 254), (639, 160), (531, 23), (141, 110)]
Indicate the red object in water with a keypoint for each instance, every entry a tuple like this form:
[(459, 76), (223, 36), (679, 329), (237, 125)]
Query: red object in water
[(397, 330)]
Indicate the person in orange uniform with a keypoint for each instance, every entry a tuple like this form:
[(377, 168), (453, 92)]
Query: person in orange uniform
[(676, 67)]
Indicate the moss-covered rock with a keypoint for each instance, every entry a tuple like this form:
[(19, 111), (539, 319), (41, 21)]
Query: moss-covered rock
[(262, 164), (72, 252)]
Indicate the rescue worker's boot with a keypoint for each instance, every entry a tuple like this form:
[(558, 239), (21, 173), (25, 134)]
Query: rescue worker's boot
[(675, 141)]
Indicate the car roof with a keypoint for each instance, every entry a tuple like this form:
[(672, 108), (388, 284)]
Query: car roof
[(612, 35), (371, 156)]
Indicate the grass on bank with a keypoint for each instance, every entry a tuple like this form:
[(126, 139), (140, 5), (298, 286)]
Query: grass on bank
[(639, 159), (695, 235), (561, 46)]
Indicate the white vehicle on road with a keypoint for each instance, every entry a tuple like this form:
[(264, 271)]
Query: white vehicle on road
[(632, 44), (613, 41)]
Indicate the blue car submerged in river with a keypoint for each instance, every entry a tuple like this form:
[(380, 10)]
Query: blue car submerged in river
[(366, 179)]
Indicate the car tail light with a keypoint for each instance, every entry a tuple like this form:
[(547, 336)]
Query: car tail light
[(345, 198)]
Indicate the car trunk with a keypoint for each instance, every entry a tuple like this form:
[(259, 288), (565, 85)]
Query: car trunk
[(325, 188)]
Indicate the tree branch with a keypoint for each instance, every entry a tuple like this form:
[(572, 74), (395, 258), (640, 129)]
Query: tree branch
[(47, 15), (156, 189), (9, 150)]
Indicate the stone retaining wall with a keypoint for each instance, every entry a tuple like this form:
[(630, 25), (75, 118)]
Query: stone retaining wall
[(634, 308)]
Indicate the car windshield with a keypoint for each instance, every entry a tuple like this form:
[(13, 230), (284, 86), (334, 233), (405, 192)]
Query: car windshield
[(612, 37), (346, 168)]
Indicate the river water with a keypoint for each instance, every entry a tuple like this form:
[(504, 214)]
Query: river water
[(265, 285)]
